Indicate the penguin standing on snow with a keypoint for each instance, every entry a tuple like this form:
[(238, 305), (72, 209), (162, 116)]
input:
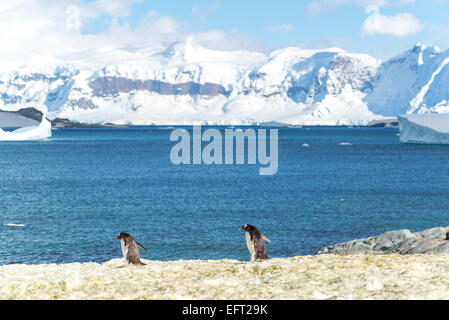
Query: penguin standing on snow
[(255, 242), (130, 249)]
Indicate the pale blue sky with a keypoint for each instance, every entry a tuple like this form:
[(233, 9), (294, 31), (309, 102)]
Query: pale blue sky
[(268, 24), (48, 27)]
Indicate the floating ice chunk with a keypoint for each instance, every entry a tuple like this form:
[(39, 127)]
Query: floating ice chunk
[(40, 132), (19, 225), (305, 145), (345, 144), (424, 128)]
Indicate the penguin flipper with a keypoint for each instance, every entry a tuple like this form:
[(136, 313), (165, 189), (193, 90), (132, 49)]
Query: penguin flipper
[(141, 246), (266, 238)]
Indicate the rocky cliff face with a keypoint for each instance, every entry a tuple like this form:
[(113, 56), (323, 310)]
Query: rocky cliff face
[(113, 86), (187, 83)]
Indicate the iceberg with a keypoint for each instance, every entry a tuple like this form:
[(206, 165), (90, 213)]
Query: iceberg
[(424, 128), (40, 132)]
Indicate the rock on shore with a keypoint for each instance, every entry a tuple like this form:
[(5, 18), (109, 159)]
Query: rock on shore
[(430, 241)]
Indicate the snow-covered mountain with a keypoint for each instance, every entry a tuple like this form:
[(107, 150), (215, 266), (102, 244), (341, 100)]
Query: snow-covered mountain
[(186, 83)]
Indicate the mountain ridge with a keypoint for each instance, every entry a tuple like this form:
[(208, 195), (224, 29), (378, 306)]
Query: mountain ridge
[(188, 84)]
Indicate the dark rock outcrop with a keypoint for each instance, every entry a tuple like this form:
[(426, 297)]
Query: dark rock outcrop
[(66, 123), (31, 113), (111, 86), (429, 241), (36, 115)]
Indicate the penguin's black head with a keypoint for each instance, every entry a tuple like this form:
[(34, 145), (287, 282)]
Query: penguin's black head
[(122, 235), (247, 227)]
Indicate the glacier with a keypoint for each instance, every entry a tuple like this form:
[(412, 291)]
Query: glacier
[(424, 128), (40, 132), (188, 84)]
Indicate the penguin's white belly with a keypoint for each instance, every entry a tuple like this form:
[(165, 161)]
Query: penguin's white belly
[(250, 245), (124, 248)]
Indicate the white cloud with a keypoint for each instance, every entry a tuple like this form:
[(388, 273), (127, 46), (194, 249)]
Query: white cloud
[(282, 27), (48, 30), (35, 28), (162, 25), (115, 8), (201, 12), (321, 6), (72, 21), (8, 5), (399, 25), (222, 40), (324, 43)]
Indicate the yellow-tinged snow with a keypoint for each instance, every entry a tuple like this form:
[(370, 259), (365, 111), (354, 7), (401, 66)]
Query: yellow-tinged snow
[(307, 277)]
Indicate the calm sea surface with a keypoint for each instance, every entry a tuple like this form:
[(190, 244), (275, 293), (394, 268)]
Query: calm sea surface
[(66, 199)]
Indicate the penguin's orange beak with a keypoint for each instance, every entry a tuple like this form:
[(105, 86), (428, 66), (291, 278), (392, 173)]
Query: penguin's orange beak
[(240, 228), (116, 238)]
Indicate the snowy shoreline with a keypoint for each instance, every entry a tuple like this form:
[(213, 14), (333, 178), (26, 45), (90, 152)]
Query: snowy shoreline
[(391, 276)]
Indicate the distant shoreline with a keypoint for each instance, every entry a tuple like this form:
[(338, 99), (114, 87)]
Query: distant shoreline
[(27, 115)]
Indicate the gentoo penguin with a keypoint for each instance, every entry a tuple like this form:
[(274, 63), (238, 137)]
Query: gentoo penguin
[(255, 242), (130, 249)]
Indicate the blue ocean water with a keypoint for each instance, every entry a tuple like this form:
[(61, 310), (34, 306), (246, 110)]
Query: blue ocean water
[(65, 199)]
